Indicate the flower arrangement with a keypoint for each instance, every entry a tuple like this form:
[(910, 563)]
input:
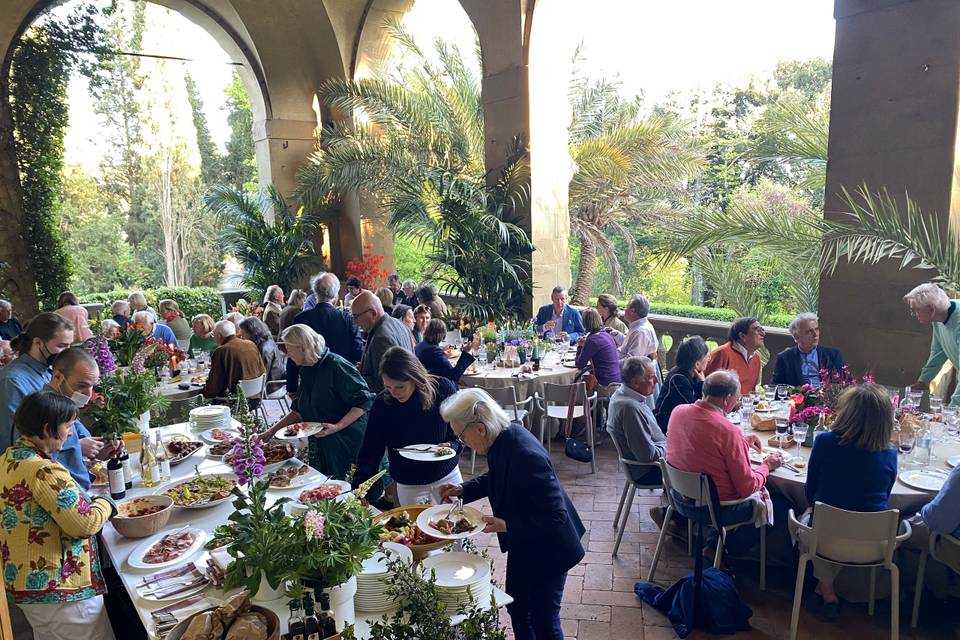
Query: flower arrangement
[(810, 402), (127, 345), (249, 309), (368, 270), (248, 459), (488, 334), (119, 401), (99, 348)]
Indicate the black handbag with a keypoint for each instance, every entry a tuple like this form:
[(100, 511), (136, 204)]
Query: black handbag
[(573, 448)]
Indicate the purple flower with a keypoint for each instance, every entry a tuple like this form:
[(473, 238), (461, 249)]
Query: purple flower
[(257, 470)]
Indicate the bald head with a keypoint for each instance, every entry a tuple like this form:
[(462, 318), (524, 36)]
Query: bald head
[(223, 330), (721, 384), (366, 309)]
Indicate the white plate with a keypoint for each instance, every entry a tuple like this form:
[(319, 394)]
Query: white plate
[(205, 505), (457, 570), (300, 482), (344, 488), (313, 428), (757, 458), (428, 453), (376, 565), (734, 418), (207, 436), (438, 511), (923, 479), (135, 559), (953, 461)]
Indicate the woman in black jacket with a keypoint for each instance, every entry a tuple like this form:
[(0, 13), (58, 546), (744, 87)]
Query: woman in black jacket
[(684, 382), (433, 357), (256, 331)]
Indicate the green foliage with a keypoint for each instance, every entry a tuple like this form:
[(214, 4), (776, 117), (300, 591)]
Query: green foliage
[(210, 162), (123, 398), (705, 313), (409, 259), (192, 300), (238, 166)]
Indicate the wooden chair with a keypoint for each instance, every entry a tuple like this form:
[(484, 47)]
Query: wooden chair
[(629, 490), (943, 548)]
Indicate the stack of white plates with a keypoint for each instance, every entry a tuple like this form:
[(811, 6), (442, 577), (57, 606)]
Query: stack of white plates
[(462, 579), (372, 581), (215, 416)]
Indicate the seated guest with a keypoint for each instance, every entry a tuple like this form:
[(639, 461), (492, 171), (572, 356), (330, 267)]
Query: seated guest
[(598, 350), (170, 313), (631, 422), (10, 327), (110, 330), (802, 364), (405, 413), (740, 353), (393, 283), (930, 304), (701, 439), (427, 294), (69, 308), (121, 313), (52, 571), (353, 290), (256, 331), (940, 515), (382, 331), (333, 392), (235, 317), (6, 353), (852, 467), (202, 338), (607, 308), (684, 382), (272, 308), (641, 340), (421, 318), (294, 307), (409, 290), (558, 318), (404, 314), (386, 299), (434, 358), (232, 361), (138, 302), (153, 329)]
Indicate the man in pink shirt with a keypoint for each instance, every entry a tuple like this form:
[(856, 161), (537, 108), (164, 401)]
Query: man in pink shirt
[(701, 439)]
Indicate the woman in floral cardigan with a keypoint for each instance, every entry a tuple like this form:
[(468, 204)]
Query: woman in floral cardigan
[(47, 528)]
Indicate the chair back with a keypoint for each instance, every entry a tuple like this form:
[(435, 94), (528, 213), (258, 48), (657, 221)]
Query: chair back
[(627, 463), (506, 397), (559, 394), (945, 548), (854, 537), (692, 485), (253, 388), (180, 406)]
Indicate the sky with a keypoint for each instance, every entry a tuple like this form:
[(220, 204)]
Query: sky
[(653, 46)]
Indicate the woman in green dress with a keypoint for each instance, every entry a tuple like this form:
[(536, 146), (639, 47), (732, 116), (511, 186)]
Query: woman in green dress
[(331, 392)]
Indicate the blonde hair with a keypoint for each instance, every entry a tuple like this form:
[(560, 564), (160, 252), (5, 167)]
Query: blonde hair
[(864, 417), (592, 321), (385, 296), (206, 323), (120, 308), (169, 305), (137, 299), (307, 339)]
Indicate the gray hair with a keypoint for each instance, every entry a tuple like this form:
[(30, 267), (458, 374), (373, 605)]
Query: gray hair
[(268, 295), (234, 317), (559, 289), (928, 294), (721, 383), (224, 329), (108, 324), (144, 318), (6, 305), (137, 299), (639, 305), (635, 367), (326, 286), (307, 339), (120, 308), (801, 317), (475, 405), (409, 284)]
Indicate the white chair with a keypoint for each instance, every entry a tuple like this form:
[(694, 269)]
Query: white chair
[(253, 389), (506, 397), (629, 490), (554, 406), (277, 390), (851, 539), (695, 487), (943, 548)]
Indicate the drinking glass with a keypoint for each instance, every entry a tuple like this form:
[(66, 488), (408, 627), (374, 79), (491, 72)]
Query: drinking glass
[(769, 392), (781, 431), (950, 420), (906, 441), (936, 404), (191, 365), (746, 414), (800, 430), (915, 397), (781, 392)]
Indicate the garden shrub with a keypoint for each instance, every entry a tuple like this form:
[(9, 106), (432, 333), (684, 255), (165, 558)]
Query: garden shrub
[(192, 300), (705, 313)]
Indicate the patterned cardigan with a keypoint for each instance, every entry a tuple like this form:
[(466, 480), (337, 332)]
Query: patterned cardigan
[(47, 529)]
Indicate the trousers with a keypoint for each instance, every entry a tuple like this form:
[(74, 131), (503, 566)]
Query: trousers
[(80, 620), (535, 610)]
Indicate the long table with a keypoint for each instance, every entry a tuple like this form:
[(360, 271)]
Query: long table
[(118, 548)]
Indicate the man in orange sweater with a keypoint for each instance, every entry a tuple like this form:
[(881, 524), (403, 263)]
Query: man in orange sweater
[(739, 353)]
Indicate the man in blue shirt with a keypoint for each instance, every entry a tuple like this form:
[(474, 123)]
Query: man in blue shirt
[(10, 327), (558, 319), (153, 329)]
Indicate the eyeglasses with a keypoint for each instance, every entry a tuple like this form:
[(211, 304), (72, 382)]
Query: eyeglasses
[(357, 315), (469, 424)]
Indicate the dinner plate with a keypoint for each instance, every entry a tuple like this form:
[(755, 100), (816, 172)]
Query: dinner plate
[(427, 455), (376, 565), (734, 418), (205, 505), (757, 457), (924, 479), (312, 428), (175, 460), (299, 482), (207, 436), (457, 570), (439, 511), (953, 461), (345, 487), (135, 559)]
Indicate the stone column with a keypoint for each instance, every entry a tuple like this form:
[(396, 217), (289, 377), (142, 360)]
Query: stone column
[(893, 124), (281, 146)]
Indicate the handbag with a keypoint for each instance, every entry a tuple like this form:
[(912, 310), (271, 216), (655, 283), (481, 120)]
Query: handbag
[(587, 377), (573, 448)]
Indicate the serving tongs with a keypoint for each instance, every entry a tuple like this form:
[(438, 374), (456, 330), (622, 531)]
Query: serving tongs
[(456, 506)]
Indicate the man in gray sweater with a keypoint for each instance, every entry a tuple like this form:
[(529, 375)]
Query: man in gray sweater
[(632, 423), (382, 331)]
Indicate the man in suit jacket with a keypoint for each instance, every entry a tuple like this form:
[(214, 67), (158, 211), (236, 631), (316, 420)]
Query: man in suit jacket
[(383, 332), (802, 364), (559, 319), (233, 360)]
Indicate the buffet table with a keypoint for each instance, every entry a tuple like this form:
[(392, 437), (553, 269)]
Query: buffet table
[(118, 548)]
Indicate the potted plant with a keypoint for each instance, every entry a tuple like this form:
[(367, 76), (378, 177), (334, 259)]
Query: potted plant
[(126, 346), (123, 402)]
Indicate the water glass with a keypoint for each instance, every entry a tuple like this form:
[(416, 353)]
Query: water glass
[(936, 404), (800, 431), (915, 397), (781, 392), (746, 415), (769, 392)]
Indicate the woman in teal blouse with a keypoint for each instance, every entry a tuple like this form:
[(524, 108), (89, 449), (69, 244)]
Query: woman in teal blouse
[(332, 392)]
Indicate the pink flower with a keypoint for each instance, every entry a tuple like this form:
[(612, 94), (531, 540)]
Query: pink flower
[(313, 525), (83, 507)]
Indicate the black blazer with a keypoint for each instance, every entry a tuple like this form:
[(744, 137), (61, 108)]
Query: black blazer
[(788, 371), (678, 388), (339, 331), (543, 527), (436, 362)]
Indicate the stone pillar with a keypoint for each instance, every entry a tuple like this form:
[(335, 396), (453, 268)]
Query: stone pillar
[(893, 124), (281, 146)]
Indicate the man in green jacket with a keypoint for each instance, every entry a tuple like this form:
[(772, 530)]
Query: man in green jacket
[(930, 304)]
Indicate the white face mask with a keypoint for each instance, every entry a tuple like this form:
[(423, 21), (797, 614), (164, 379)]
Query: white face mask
[(79, 399)]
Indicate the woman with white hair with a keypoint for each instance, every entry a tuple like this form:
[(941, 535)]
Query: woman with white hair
[(110, 329), (930, 304), (121, 313), (332, 392), (138, 302), (534, 519)]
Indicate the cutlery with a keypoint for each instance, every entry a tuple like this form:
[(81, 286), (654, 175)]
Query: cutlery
[(418, 450)]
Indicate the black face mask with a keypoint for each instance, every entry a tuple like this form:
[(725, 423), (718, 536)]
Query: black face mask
[(49, 357)]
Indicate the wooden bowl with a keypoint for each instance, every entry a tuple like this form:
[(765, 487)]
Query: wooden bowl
[(420, 551), (273, 623), (142, 526)]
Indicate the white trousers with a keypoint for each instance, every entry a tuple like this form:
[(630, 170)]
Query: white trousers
[(426, 493), (80, 620)]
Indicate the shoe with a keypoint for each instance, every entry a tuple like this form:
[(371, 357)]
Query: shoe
[(827, 610), (657, 514)]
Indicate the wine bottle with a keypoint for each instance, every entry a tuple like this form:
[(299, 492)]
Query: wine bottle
[(118, 490), (149, 466), (328, 624), (296, 625), (163, 458), (127, 471), (310, 622)]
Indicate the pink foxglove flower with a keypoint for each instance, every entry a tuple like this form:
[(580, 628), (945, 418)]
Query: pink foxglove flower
[(313, 525)]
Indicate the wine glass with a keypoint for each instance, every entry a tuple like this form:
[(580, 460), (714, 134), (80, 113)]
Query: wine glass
[(906, 441), (782, 425), (800, 430), (769, 392), (781, 392)]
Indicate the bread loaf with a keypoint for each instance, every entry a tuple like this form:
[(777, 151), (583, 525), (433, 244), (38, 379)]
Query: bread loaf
[(763, 424)]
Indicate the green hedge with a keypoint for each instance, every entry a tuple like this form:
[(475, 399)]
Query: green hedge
[(705, 313), (192, 300)]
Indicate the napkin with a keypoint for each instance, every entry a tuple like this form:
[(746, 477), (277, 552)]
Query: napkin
[(221, 558), (765, 511), (174, 581), (167, 617), (524, 376)]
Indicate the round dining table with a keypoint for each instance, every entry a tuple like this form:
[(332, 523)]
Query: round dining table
[(171, 388)]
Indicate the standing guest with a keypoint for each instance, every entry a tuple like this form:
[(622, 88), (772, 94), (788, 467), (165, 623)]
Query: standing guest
[(272, 308), (232, 361), (558, 318), (386, 299), (10, 327), (405, 413), (121, 313), (852, 467), (930, 304), (607, 308), (138, 302), (69, 308), (404, 314), (427, 294), (340, 334), (537, 526), (597, 349), (353, 290), (110, 329), (684, 383), (294, 307), (52, 569), (332, 392), (803, 363), (393, 283), (641, 339), (46, 335), (235, 317), (173, 317), (153, 329), (255, 330), (631, 422), (421, 318), (382, 332), (409, 290), (435, 360), (740, 353), (202, 338)]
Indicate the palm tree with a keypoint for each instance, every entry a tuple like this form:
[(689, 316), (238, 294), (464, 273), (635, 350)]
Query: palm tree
[(272, 252)]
